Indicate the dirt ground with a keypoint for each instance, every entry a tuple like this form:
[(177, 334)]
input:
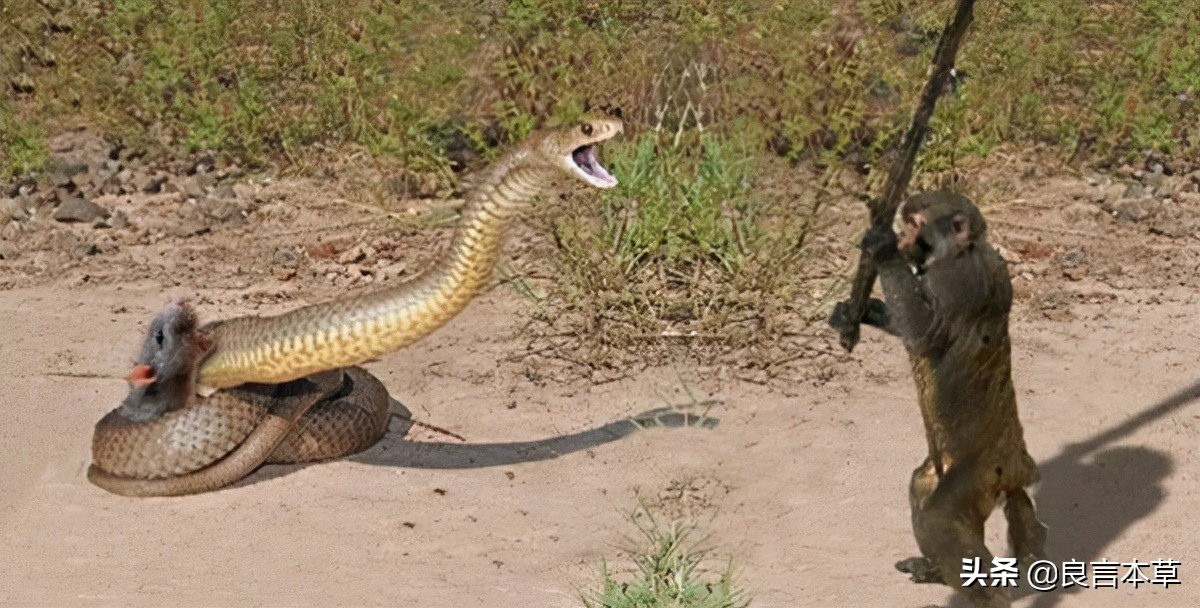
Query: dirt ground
[(802, 484)]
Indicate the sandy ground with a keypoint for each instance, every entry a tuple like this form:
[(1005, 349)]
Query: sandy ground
[(802, 484)]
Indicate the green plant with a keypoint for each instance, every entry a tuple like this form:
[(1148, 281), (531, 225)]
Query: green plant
[(22, 146), (668, 572)]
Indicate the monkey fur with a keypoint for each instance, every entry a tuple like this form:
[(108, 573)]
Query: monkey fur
[(948, 296)]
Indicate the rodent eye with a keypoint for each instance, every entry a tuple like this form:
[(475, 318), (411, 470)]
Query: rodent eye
[(586, 128)]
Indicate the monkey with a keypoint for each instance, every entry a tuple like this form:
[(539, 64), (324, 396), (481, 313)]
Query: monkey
[(947, 296)]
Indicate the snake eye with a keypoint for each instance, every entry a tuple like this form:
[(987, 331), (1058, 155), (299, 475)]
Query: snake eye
[(586, 128)]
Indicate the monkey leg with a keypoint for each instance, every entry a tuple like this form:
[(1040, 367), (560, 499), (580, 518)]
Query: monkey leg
[(948, 521), (920, 489), (1026, 533)]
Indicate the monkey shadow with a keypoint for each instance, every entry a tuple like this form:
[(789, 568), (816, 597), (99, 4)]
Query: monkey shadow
[(394, 450), (1089, 498)]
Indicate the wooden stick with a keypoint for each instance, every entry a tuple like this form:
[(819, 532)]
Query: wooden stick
[(848, 316)]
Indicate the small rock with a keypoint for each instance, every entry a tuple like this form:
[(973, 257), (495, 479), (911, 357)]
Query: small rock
[(118, 220), (195, 187), (1135, 191), (1071, 258), (234, 171), (155, 185), (1171, 228), (1079, 211), (8, 251), (60, 179), (190, 226), (1112, 194), (245, 192), (1154, 180), (353, 255), (1188, 198), (224, 191), (223, 211), (202, 165), (283, 273), (75, 209), (12, 209), (204, 180), (1135, 210), (82, 180)]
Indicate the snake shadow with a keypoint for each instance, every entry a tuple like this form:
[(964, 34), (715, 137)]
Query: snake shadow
[(1090, 495), (394, 450)]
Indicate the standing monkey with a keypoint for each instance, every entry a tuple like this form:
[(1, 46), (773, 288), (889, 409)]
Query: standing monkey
[(948, 295)]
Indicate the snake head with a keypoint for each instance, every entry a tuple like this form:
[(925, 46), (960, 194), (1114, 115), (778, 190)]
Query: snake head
[(572, 148)]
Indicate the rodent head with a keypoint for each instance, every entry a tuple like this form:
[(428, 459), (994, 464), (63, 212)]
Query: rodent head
[(164, 373), (934, 228), (572, 148)]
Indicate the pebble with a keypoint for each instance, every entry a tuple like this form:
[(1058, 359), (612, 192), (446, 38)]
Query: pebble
[(75, 209), (1135, 210)]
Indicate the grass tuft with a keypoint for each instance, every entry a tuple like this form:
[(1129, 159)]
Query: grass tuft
[(668, 572)]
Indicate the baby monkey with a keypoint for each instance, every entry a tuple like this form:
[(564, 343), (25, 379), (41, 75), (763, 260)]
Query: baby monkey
[(948, 296)]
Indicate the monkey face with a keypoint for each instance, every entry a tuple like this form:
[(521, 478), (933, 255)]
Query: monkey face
[(937, 228)]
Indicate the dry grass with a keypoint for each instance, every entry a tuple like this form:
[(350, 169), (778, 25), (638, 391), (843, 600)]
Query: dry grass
[(740, 114)]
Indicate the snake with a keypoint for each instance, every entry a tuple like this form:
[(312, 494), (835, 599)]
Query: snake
[(210, 403)]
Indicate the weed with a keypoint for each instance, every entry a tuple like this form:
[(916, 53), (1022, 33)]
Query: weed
[(22, 145), (668, 572), (686, 251)]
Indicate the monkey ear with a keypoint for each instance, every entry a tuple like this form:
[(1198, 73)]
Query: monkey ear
[(961, 229)]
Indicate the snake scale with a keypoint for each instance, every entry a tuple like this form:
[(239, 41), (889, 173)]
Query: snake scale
[(208, 404)]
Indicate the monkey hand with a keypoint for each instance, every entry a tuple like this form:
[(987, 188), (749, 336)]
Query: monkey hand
[(845, 323), (880, 243)]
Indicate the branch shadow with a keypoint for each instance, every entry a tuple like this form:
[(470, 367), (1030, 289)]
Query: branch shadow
[(396, 451), (1076, 495)]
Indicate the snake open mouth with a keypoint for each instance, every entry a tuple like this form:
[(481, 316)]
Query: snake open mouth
[(588, 167)]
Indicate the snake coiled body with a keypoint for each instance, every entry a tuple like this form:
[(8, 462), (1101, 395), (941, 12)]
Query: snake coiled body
[(303, 399), (223, 438)]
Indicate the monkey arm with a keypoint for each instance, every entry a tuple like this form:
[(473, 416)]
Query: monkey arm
[(910, 312), (976, 286), (879, 245)]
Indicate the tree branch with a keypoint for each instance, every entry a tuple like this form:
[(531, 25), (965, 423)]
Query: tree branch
[(847, 316)]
